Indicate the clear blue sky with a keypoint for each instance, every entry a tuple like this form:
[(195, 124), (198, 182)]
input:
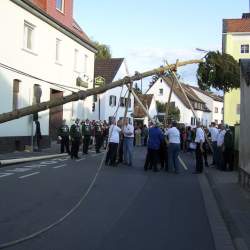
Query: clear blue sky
[(145, 32)]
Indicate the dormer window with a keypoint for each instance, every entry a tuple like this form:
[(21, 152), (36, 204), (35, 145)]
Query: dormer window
[(60, 5)]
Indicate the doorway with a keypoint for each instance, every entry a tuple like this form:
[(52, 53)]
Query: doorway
[(55, 115)]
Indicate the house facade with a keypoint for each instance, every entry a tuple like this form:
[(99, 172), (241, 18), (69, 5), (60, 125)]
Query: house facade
[(42, 53), (105, 105), (214, 103), (236, 42), (161, 90)]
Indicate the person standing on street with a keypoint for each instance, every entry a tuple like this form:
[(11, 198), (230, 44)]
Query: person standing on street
[(220, 147), (114, 138), (174, 147), (75, 135), (214, 134), (128, 131), (86, 134), (98, 136), (38, 135), (228, 149), (63, 136), (199, 140), (155, 139)]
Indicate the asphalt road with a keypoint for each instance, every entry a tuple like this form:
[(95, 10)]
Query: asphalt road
[(126, 209)]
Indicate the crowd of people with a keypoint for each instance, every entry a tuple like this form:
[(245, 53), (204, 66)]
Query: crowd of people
[(163, 143)]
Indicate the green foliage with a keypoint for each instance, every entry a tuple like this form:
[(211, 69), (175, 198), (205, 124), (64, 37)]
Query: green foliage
[(173, 112), (104, 51), (219, 71)]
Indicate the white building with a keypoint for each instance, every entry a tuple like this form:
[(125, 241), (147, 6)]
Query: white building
[(106, 104), (214, 103), (42, 39), (161, 90)]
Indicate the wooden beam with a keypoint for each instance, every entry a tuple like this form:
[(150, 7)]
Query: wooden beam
[(5, 117)]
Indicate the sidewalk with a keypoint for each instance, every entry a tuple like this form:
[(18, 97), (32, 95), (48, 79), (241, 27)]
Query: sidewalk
[(234, 203), (54, 149)]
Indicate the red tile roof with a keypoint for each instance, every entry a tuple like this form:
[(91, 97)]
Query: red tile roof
[(71, 26), (236, 25), (108, 68), (146, 100)]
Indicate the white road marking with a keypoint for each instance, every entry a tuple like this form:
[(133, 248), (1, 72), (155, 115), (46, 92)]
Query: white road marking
[(19, 170), (60, 166), (62, 159), (28, 175), (48, 162), (182, 163), (81, 159), (2, 175)]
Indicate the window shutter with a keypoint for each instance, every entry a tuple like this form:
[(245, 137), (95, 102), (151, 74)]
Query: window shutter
[(110, 100), (115, 100)]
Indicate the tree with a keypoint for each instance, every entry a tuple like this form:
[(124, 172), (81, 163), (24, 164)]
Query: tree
[(173, 112), (219, 71), (104, 51)]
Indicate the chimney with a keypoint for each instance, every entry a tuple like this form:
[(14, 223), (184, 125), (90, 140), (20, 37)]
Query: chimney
[(246, 16)]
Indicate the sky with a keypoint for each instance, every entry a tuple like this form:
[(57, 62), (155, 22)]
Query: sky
[(147, 32)]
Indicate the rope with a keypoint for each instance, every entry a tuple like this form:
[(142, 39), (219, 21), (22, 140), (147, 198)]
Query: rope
[(74, 208)]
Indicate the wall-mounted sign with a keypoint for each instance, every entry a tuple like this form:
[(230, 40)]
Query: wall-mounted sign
[(81, 83), (99, 81)]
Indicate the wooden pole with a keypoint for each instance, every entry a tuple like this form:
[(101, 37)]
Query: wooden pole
[(5, 117), (190, 105)]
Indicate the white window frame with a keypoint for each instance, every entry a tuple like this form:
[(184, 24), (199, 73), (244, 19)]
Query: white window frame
[(216, 110), (85, 66), (29, 27), (76, 61), (58, 51), (113, 101), (62, 6), (244, 49), (160, 92)]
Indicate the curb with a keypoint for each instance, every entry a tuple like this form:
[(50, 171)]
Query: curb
[(238, 241), (28, 159), (221, 235)]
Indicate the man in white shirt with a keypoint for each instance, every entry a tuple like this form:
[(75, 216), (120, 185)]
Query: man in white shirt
[(214, 134), (174, 147), (113, 140), (220, 146), (199, 140), (128, 131)]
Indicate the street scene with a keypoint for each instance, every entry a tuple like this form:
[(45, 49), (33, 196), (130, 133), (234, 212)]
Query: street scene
[(112, 139)]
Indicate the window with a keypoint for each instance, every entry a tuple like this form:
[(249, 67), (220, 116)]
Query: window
[(112, 101), (60, 5), (222, 110), (95, 98), (238, 109), (58, 50), (161, 92), (216, 110), (122, 102), (16, 86), (244, 48), (76, 60), (216, 121), (128, 102), (28, 36), (85, 69)]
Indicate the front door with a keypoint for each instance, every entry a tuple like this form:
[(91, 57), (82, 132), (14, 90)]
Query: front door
[(55, 115)]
